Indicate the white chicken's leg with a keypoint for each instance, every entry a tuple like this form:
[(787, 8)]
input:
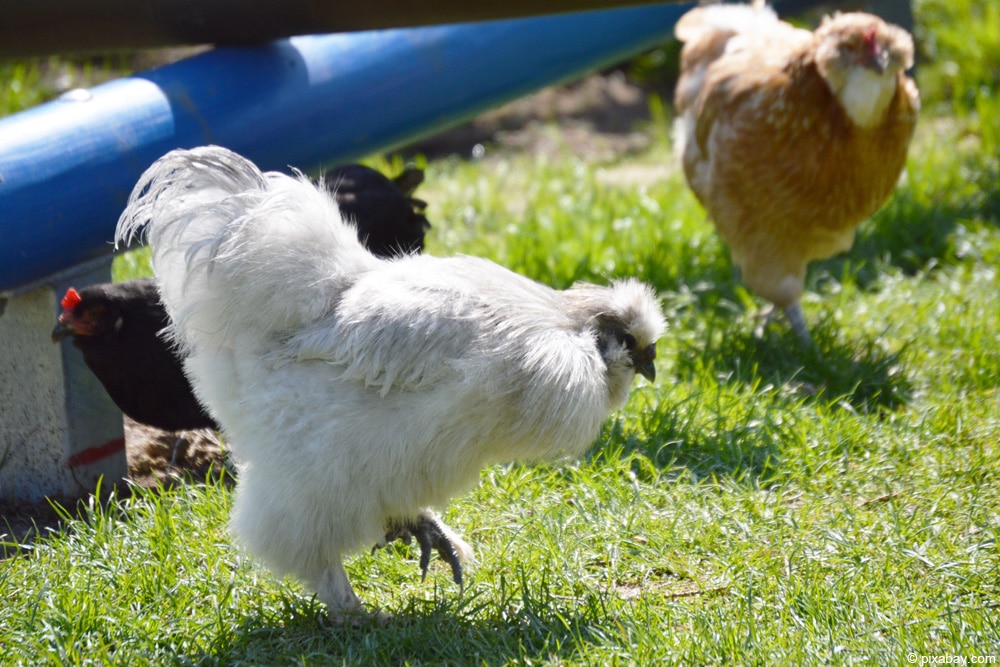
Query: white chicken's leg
[(334, 590)]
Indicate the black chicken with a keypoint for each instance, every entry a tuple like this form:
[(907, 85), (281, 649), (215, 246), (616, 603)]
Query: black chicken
[(116, 327), (390, 220)]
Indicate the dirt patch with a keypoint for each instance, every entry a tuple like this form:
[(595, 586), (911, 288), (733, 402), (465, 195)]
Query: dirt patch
[(164, 458), (599, 116)]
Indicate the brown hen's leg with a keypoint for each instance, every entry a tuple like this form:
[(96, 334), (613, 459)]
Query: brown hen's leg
[(797, 319)]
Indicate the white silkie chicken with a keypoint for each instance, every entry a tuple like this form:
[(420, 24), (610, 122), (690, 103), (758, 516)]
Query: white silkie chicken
[(359, 392)]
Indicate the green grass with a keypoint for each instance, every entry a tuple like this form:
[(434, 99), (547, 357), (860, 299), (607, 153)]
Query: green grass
[(20, 87), (760, 504)]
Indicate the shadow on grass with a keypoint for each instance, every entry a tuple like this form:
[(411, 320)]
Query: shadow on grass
[(531, 623), (855, 373), (926, 238), (22, 523), (740, 434)]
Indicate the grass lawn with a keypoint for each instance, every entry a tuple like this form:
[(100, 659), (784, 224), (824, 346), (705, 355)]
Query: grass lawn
[(759, 504)]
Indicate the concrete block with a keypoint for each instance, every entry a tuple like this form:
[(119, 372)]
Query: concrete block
[(59, 431)]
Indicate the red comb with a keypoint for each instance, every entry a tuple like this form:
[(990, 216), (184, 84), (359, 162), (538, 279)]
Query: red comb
[(71, 299), (869, 37)]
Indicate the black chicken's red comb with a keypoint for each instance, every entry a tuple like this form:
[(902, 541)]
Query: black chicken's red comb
[(71, 299)]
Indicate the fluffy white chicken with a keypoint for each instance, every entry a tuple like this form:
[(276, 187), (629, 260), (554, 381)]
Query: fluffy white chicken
[(359, 392)]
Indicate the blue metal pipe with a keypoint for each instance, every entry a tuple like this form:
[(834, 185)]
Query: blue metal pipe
[(67, 167)]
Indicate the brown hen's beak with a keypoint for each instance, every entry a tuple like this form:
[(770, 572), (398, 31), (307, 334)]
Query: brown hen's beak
[(642, 361), (878, 61), (62, 329)]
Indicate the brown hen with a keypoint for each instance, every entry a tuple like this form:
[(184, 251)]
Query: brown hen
[(788, 138)]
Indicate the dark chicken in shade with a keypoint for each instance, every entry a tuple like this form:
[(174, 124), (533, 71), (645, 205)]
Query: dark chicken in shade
[(116, 327), (389, 219)]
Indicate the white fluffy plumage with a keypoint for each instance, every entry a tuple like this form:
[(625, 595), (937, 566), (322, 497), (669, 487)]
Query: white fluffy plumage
[(358, 392)]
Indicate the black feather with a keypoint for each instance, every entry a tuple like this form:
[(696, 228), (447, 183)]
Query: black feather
[(390, 221)]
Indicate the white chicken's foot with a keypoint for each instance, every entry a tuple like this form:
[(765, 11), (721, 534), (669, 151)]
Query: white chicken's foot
[(431, 533)]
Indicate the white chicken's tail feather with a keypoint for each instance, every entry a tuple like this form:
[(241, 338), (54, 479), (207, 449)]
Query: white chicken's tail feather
[(236, 250)]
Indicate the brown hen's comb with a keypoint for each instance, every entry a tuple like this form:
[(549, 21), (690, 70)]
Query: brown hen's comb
[(71, 299), (870, 42)]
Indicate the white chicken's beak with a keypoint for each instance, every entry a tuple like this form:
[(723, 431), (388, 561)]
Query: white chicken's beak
[(642, 362)]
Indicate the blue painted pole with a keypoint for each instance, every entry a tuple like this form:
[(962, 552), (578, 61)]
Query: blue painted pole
[(67, 167)]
